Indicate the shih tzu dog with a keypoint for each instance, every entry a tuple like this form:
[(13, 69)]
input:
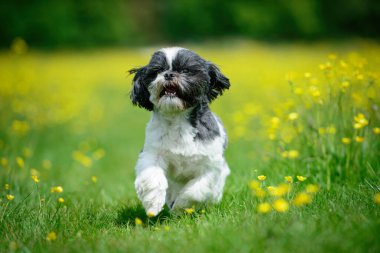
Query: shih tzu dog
[(182, 162)]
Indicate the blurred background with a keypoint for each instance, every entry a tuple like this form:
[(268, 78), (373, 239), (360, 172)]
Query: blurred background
[(90, 23)]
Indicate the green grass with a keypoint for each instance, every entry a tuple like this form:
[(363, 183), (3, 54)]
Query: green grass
[(100, 217)]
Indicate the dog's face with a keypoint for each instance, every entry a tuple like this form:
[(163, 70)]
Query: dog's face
[(176, 79)]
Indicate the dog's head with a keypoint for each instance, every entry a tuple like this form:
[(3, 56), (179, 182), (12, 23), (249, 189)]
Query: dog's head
[(176, 79)]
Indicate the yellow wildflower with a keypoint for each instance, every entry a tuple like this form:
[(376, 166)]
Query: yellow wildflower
[(189, 210), (261, 177), (271, 188), (285, 154), (275, 122), (302, 199), (376, 198), (150, 214), (359, 139), (307, 75), (346, 140), (35, 179), (99, 154), (264, 207), (4, 162), (52, 236), (289, 179), (260, 193), (34, 172), (7, 186), (344, 85), (138, 221), (20, 162), (331, 129), (254, 184), (314, 91), (281, 190), (61, 200), (56, 189), (10, 197), (293, 154), (46, 164), (281, 205), (376, 130), (293, 116), (301, 178), (312, 188), (360, 121), (27, 152), (321, 130), (94, 179), (298, 91), (203, 211)]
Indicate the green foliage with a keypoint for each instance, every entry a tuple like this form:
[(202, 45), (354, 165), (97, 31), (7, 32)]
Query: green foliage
[(86, 23)]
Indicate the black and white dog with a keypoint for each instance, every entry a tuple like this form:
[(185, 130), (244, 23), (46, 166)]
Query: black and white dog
[(182, 163)]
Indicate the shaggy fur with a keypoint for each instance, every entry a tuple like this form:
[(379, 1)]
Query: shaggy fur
[(182, 163)]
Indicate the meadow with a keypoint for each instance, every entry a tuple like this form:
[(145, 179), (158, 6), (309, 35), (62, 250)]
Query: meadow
[(304, 150)]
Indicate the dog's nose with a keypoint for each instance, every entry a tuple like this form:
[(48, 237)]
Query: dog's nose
[(169, 76)]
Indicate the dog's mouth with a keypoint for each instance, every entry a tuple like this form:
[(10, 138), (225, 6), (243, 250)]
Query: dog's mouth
[(170, 90)]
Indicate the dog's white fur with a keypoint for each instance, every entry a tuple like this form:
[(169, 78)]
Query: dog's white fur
[(173, 167)]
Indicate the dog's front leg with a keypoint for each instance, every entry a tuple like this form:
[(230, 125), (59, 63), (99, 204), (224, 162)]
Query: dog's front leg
[(151, 185)]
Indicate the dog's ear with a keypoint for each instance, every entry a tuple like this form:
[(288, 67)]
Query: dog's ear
[(140, 94), (218, 82)]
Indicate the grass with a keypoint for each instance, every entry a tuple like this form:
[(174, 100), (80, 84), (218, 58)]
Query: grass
[(66, 117)]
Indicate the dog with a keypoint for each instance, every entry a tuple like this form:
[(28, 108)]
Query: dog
[(182, 163)]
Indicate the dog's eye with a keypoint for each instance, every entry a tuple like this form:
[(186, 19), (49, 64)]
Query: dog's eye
[(185, 71)]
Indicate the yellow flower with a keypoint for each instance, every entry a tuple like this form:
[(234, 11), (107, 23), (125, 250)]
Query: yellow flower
[(293, 116), (345, 85), (4, 162), (46, 164), (167, 228), (346, 140), (307, 75), (314, 91), (331, 129), (289, 179), (254, 184), (203, 211), (298, 91), (360, 121), (260, 193), (35, 179), (275, 122), (261, 177), (94, 179), (150, 214), (281, 190), (7, 186), (99, 154), (301, 178), (61, 200), (138, 221), (264, 207), (52, 236), (189, 210), (321, 130), (10, 197), (376, 198), (302, 199), (20, 162), (281, 205), (56, 189), (285, 154), (376, 130), (34, 172), (359, 139), (312, 188), (293, 154)]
